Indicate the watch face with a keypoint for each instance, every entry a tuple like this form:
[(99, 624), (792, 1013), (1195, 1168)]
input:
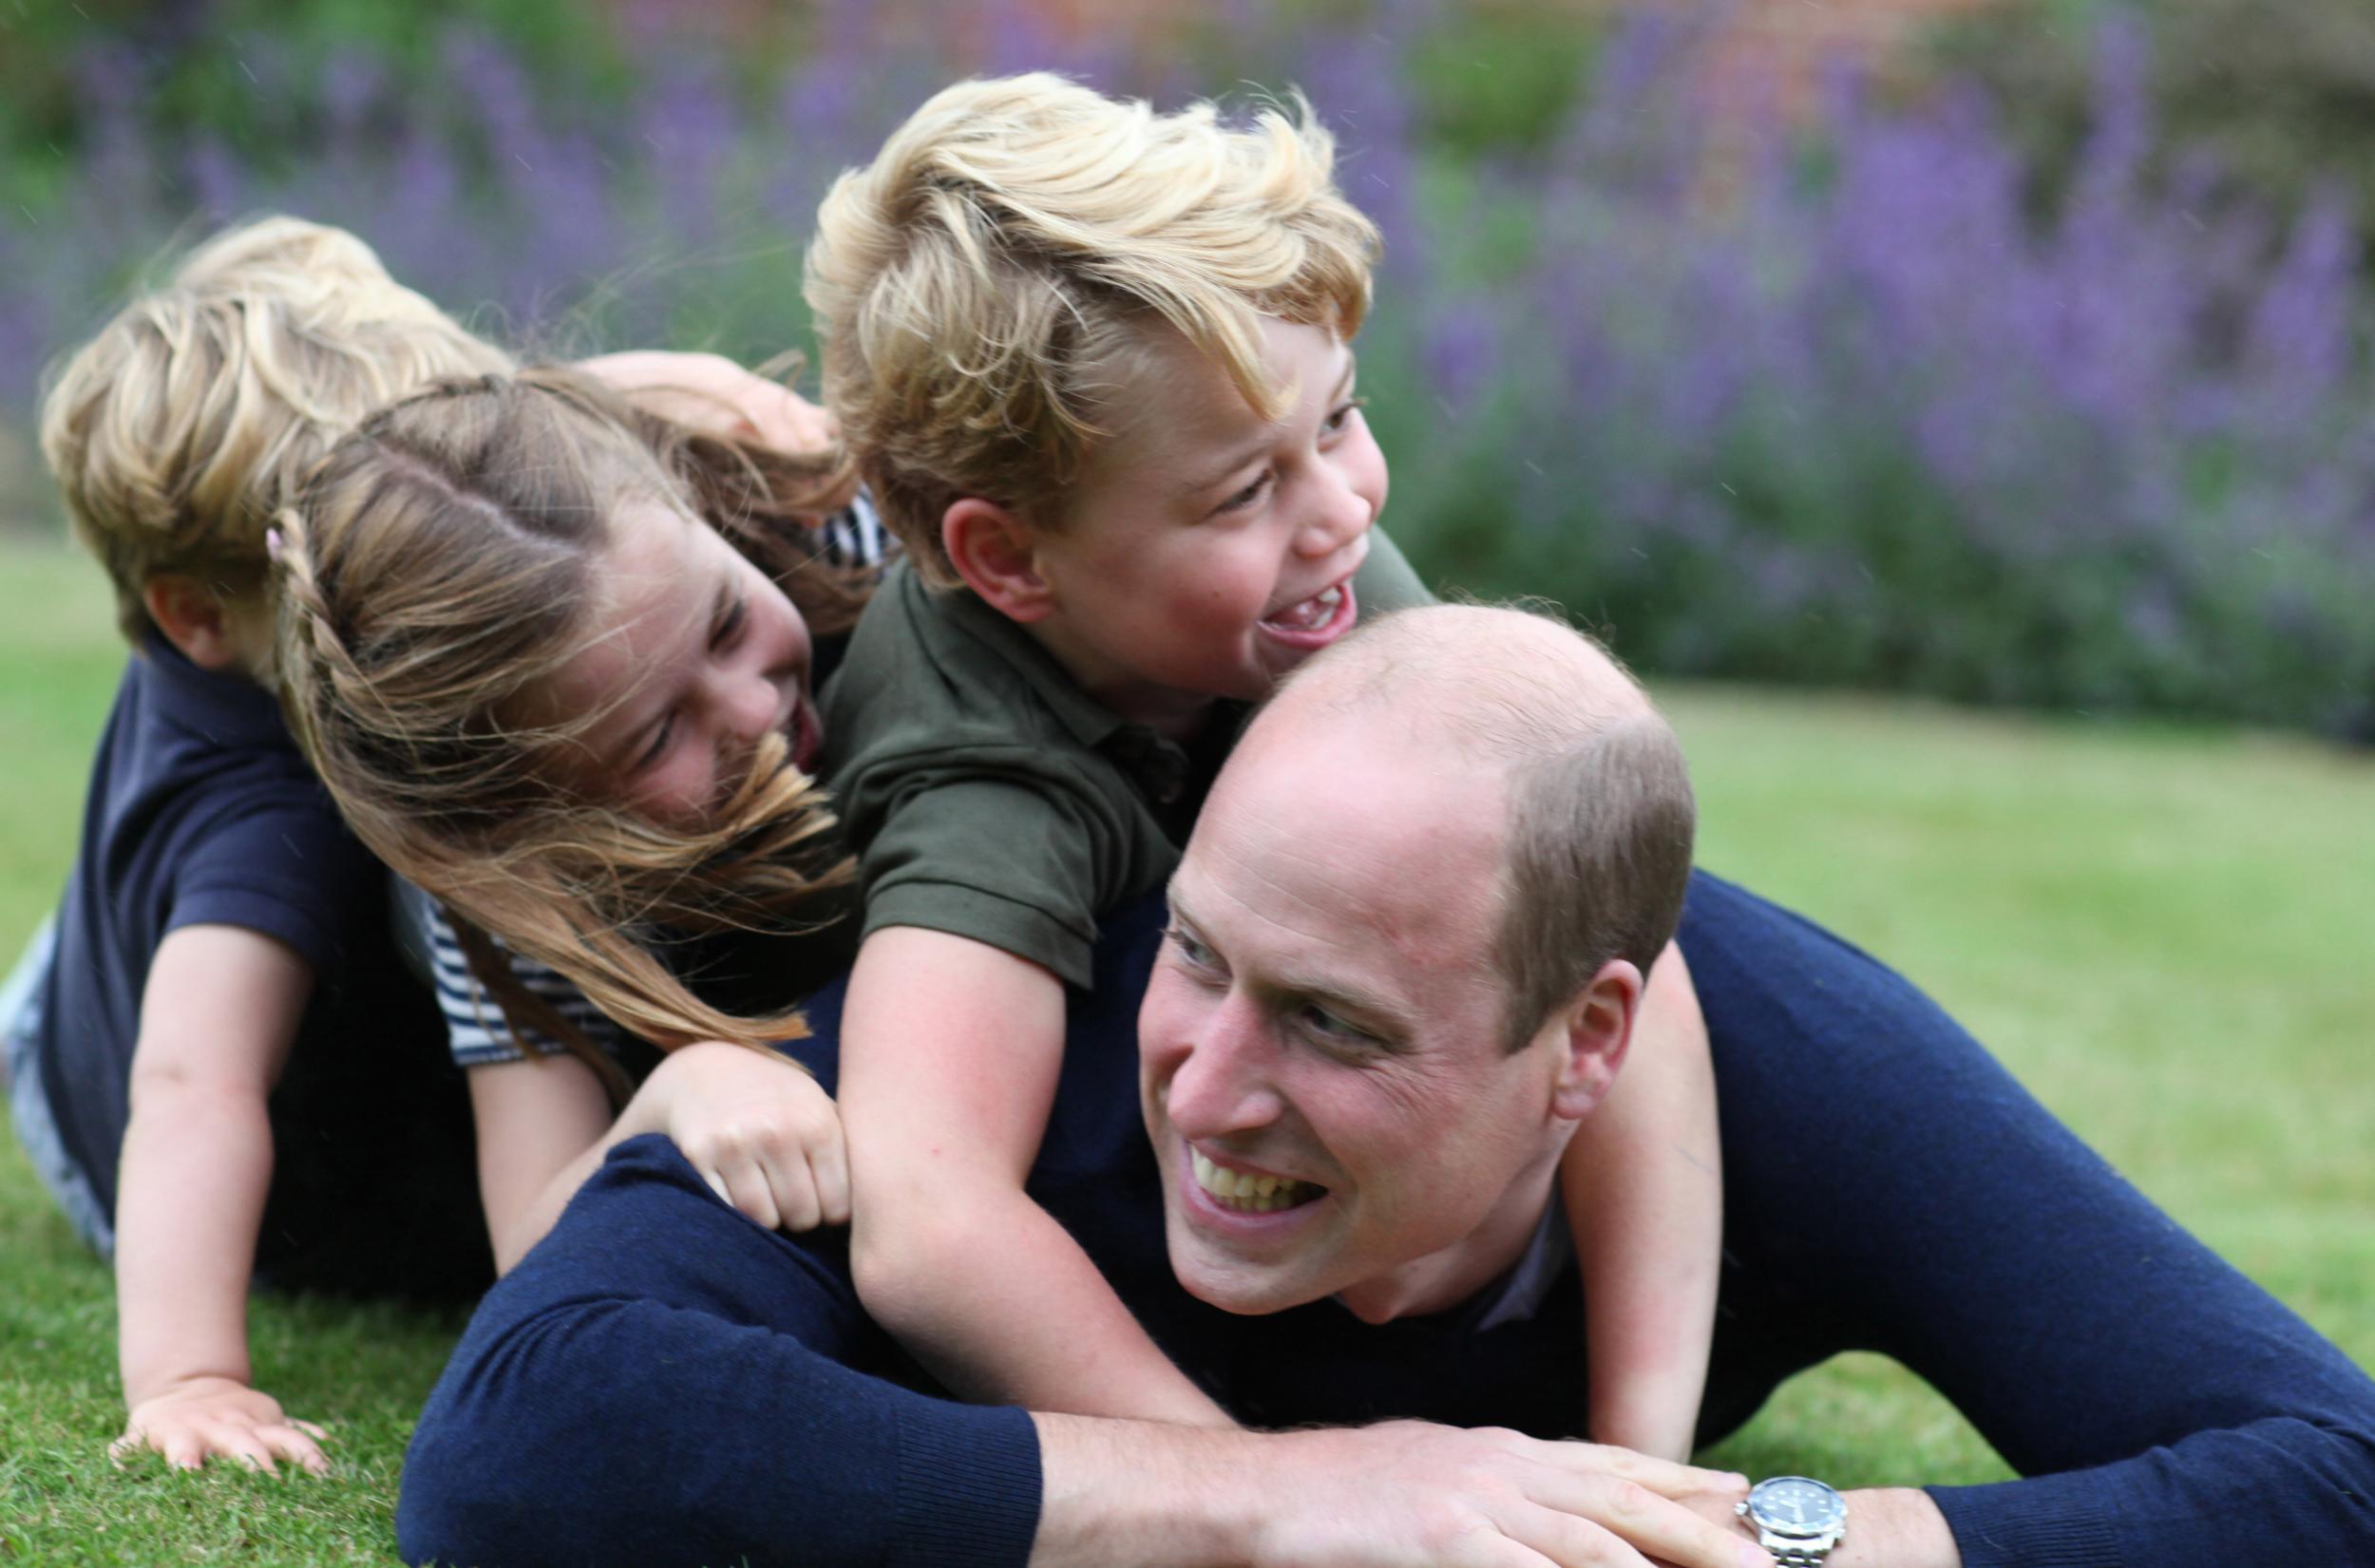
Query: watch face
[(1793, 1505)]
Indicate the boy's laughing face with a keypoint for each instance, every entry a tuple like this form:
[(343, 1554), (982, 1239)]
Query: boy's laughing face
[(1207, 551)]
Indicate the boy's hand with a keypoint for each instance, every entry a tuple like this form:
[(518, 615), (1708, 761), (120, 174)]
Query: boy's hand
[(761, 1132), (711, 393), (205, 1416)]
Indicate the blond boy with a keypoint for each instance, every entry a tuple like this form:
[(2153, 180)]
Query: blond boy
[(220, 1067), (1096, 365)]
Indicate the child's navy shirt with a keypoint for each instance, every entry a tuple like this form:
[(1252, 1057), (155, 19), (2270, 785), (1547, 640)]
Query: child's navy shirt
[(202, 811)]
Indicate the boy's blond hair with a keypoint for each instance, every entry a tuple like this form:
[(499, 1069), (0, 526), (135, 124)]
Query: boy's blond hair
[(192, 418), (977, 286)]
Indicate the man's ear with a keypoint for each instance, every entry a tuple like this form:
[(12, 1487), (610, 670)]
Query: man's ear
[(994, 551), (1591, 1035), (193, 618)]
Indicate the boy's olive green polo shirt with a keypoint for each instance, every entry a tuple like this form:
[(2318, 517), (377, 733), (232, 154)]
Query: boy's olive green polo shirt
[(989, 797)]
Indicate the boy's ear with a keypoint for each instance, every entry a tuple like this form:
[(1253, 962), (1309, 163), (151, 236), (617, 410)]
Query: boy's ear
[(1590, 1037), (193, 618), (995, 551)]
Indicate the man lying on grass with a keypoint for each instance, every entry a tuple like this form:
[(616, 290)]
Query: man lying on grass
[(1355, 1098)]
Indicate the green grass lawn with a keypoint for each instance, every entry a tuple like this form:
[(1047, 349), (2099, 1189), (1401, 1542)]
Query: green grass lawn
[(2163, 931)]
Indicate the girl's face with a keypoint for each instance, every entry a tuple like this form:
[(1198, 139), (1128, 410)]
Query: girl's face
[(689, 656)]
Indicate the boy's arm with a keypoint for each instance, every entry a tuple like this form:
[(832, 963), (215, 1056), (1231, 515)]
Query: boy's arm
[(217, 1016), (950, 1053), (1644, 1185)]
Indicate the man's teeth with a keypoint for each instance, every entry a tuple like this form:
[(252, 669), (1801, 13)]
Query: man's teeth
[(1244, 1190), (1312, 614)]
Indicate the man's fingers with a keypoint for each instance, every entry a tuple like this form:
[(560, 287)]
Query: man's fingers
[(1643, 1523), (311, 1429), (1664, 1477), (1573, 1542)]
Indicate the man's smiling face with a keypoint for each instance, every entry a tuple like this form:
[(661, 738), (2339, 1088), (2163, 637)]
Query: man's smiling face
[(1321, 1050)]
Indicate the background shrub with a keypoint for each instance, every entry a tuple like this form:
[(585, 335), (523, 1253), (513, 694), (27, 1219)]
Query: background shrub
[(1973, 389)]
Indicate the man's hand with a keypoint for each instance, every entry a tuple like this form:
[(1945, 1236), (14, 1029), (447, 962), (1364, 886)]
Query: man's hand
[(761, 1132), (711, 393), (202, 1417), (1422, 1495), (1403, 1495), (1886, 1527)]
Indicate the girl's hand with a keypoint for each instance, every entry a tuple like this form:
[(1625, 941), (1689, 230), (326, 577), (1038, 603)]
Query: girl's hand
[(761, 1132), (204, 1416), (711, 392)]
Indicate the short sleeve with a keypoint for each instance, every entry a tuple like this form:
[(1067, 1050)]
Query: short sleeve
[(288, 872), (1023, 861), (476, 1030)]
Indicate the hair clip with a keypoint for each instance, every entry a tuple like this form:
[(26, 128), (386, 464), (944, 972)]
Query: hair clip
[(273, 543)]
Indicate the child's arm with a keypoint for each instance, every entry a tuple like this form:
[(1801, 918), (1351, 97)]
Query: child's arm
[(950, 1051), (218, 1015), (712, 392), (761, 1132), (1644, 1184)]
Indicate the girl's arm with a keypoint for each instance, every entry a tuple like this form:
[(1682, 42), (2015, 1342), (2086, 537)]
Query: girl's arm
[(760, 1131), (1644, 1184), (218, 1013), (950, 1050)]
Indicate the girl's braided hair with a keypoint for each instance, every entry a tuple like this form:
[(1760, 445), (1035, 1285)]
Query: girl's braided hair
[(436, 570)]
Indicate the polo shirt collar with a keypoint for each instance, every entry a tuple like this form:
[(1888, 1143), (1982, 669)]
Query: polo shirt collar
[(228, 710), (1161, 767)]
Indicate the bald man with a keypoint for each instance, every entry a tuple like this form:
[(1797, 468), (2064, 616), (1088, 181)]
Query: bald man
[(1404, 951)]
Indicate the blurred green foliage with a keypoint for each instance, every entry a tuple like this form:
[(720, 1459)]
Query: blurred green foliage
[(2281, 93)]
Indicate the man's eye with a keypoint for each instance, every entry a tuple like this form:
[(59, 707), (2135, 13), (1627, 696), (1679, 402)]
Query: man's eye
[(1326, 1025), (1192, 952)]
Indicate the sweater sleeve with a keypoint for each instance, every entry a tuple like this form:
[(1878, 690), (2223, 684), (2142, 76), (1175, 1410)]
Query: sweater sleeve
[(1889, 1187), (662, 1382)]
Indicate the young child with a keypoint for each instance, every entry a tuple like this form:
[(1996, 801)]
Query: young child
[(1096, 365), (219, 1066), (552, 660), (220, 1072)]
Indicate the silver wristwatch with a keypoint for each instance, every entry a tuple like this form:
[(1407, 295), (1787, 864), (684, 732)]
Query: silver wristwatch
[(1799, 1520)]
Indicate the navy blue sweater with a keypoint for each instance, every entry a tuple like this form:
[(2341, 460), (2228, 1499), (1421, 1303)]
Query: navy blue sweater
[(662, 1381)]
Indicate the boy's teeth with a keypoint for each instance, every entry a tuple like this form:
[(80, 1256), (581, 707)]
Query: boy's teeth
[(1244, 1190), (1313, 613)]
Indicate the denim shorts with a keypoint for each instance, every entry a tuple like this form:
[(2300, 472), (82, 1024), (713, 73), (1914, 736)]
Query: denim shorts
[(28, 1103)]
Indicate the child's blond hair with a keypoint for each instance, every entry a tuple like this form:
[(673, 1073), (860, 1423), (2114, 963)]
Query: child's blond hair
[(436, 571), (977, 287), (191, 418)]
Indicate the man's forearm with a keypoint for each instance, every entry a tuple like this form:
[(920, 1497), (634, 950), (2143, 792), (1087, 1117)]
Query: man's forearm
[(1896, 1527)]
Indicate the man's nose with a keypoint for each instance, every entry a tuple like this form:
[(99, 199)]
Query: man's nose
[(1224, 1083)]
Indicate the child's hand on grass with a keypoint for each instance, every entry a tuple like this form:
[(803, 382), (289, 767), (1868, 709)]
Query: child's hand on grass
[(203, 1417), (761, 1132)]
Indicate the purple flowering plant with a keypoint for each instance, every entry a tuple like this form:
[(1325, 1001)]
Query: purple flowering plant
[(1823, 402)]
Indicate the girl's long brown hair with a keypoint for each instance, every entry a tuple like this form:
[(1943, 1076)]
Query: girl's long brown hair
[(437, 568)]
